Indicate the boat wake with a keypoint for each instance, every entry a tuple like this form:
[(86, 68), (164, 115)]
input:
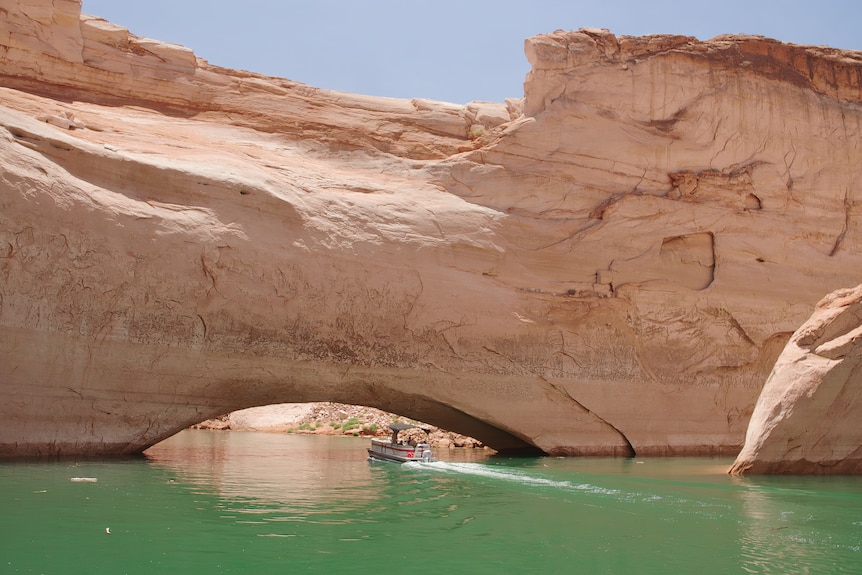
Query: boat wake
[(510, 475)]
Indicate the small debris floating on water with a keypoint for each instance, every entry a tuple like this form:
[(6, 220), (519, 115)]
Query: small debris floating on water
[(83, 479)]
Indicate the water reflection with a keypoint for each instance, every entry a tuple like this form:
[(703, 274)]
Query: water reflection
[(788, 527), (268, 467), (647, 516), (209, 502), (282, 485)]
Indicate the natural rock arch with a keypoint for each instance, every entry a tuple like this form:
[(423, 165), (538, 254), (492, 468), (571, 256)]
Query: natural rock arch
[(586, 274)]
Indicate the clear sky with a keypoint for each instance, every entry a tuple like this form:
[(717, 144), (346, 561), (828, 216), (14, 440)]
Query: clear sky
[(450, 50)]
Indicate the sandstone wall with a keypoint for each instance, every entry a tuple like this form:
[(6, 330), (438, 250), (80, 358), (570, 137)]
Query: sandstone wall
[(611, 264)]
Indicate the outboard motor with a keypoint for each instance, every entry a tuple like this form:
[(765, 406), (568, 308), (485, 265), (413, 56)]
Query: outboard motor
[(424, 451)]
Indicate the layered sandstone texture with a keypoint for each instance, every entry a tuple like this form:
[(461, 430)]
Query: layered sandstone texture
[(806, 420), (610, 265)]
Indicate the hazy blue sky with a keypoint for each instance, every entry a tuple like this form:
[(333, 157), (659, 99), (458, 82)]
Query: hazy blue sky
[(451, 50)]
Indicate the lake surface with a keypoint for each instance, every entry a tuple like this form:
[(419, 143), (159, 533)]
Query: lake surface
[(230, 502)]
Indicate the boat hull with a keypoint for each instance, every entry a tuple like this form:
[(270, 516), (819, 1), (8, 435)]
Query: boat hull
[(399, 453)]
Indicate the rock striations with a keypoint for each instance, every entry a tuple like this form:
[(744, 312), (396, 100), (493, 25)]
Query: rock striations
[(610, 265)]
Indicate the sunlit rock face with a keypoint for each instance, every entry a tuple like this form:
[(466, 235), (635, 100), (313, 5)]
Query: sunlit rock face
[(609, 265), (806, 420)]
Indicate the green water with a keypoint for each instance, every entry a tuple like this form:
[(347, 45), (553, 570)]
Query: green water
[(215, 502)]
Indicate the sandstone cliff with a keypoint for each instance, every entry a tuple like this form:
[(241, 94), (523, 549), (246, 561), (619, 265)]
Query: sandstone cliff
[(610, 265), (806, 420)]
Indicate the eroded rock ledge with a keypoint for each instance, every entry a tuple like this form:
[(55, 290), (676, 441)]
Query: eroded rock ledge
[(609, 265)]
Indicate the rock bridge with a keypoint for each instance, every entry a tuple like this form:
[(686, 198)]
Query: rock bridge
[(610, 265)]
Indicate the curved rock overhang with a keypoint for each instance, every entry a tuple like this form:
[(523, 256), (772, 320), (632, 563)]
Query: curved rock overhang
[(139, 399), (609, 266)]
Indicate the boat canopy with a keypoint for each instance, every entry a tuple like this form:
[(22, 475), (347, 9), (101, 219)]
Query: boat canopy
[(396, 427), (403, 426)]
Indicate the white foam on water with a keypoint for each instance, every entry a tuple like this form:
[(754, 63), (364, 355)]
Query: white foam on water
[(510, 475)]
